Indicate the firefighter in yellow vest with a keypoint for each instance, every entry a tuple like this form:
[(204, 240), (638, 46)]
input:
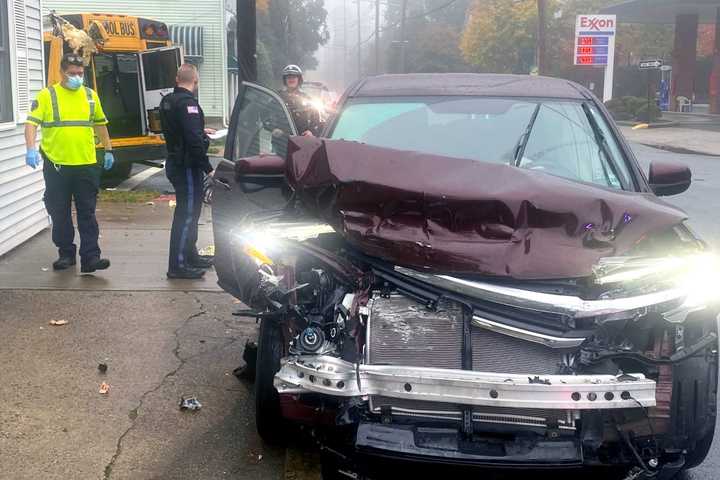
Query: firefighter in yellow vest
[(70, 115)]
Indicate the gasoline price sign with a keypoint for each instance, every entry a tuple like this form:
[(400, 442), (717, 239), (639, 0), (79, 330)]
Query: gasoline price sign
[(594, 39)]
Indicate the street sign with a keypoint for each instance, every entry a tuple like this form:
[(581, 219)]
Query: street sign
[(595, 45), (651, 64)]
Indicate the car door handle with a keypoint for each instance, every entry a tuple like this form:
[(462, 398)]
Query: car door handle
[(223, 182)]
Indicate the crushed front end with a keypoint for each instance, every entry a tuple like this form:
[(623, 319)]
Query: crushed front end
[(618, 369)]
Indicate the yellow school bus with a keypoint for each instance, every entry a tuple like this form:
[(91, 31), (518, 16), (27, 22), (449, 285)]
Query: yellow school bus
[(133, 66)]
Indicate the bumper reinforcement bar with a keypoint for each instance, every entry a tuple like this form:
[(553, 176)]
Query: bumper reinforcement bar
[(336, 377)]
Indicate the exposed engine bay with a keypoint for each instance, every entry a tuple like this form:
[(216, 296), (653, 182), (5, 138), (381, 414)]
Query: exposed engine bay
[(596, 372)]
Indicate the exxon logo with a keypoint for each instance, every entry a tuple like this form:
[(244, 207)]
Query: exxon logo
[(597, 23)]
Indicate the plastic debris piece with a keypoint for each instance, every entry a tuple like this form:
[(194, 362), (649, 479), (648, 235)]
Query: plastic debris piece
[(104, 388), (150, 204), (102, 367), (45, 269), (58, 323), (172, 203), (209, 251), (190, 403)]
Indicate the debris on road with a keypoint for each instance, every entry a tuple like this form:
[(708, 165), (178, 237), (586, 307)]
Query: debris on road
[(208, 251), (102, 367), (45, 269), (150, 204), (104, 388), (190, 403), (172, 203), (58, 323)]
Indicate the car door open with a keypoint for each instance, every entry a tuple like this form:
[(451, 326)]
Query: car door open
[(260, 125)]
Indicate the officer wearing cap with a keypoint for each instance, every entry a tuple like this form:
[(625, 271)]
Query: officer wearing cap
[(183, 125), (70, 115)]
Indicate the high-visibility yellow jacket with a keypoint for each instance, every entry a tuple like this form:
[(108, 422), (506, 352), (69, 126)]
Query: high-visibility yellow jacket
[(67, 118)]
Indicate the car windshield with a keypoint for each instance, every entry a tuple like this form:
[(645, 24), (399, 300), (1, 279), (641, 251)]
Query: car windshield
[(562, 138)]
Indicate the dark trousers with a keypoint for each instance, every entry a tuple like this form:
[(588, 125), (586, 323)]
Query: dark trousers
[(63, 184), (188, 183)]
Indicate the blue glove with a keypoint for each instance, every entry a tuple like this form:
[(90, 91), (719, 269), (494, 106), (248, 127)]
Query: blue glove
[(32, 158), (109, 160)]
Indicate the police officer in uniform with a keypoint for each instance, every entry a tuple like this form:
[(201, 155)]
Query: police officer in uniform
[(70, 115), (306, 118), (183, 125)]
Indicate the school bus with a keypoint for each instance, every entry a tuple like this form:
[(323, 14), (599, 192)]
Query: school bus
[(133, 67)]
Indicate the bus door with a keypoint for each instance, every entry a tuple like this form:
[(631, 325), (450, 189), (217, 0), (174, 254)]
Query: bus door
[(117, 82), (158, 68)]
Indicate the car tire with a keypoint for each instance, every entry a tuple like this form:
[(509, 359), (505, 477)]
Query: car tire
[(271, 426)]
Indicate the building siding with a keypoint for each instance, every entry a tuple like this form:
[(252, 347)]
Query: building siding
[(208, 13), (22, 213)]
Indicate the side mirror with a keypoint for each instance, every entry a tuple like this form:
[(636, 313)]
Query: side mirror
[(259, 165), (669, 178)]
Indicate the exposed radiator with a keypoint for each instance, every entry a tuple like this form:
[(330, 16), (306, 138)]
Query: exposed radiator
[(404, 332)]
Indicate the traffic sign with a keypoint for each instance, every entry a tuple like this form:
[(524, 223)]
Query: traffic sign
[(595, 45), (651, 64)]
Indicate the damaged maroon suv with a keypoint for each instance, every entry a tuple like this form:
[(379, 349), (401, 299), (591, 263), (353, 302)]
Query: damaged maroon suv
[(471, 270)]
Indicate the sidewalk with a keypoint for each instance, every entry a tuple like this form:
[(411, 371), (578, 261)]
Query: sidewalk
[(135, 237), (676, 139)]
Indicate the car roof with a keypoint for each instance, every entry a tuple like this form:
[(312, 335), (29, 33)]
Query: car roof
[(468, 84)]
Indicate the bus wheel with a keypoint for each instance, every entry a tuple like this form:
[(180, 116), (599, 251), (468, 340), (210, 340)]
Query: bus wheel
[(120, 171)]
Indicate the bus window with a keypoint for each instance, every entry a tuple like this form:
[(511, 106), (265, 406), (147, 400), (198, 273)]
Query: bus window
[(160, 68), (118, 85)]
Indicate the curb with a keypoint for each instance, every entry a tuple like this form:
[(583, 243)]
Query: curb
[(680, 150)]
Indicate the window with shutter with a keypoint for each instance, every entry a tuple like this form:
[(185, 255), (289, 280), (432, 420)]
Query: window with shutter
[(6, 94), (21, 58)]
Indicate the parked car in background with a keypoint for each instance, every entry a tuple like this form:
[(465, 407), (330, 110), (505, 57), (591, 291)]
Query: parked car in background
[(470, 270)]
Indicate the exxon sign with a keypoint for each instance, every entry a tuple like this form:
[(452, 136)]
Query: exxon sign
[(595, 24)]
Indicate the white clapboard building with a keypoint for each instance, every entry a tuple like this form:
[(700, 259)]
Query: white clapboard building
[(22, 212)]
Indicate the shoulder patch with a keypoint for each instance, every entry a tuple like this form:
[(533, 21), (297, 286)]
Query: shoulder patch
[(193, 109), (34, 105)]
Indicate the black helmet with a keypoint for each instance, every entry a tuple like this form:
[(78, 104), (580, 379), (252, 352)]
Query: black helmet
[(292, 71)]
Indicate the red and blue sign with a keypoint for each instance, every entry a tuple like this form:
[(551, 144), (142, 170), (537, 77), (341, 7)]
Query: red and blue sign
[(594, 39)]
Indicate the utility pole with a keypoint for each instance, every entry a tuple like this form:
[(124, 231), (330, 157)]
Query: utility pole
[(345, 34), (377, 37), (541, 44), (403, 14), (246, 40), (359, 41)]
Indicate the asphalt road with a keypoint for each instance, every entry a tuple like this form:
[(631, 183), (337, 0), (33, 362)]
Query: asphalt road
[(160, 346)]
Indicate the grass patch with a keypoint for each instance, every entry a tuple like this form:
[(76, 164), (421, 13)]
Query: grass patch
[(135, 196)]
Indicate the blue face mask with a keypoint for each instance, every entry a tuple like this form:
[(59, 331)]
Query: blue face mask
[(74, 82)]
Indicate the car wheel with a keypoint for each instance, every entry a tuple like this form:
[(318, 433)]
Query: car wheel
[(271, 426)]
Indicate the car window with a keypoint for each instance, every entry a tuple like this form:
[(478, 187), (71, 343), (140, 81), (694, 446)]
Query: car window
[(263, 125), (562, 143), (561, 140)]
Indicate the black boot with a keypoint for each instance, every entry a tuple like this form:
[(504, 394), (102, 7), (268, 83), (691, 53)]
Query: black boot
[(201, 261), (94, 264), (186, 273), (63, 263)]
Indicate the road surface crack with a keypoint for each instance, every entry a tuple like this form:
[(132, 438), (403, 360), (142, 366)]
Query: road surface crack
[(135, 412)]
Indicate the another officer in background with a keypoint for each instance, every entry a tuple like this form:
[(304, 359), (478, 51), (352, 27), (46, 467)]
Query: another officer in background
[(183, 125), (306, 117), (70, 115)]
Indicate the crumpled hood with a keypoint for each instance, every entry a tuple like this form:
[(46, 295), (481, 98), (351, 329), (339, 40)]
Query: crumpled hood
[(463, 216)]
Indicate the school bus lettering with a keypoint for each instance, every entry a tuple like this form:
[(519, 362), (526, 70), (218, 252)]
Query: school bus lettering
[(119, 28)]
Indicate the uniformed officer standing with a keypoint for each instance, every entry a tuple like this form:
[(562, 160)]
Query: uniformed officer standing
[(183, 125), (70, 115), (306, 117)]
